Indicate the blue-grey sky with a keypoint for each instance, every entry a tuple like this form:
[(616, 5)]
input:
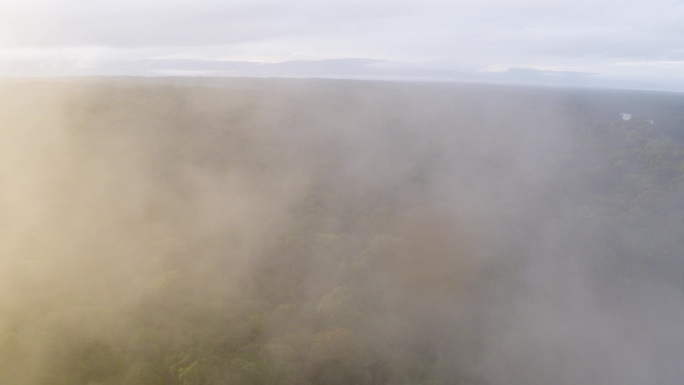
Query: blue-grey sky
[(638, 42)]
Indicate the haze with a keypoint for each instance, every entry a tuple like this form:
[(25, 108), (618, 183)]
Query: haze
[(189, 231), (341, 193)]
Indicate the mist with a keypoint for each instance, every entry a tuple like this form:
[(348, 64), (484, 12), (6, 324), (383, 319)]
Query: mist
[(274, 231)]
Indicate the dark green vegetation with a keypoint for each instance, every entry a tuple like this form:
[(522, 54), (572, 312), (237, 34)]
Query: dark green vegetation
[(336, 232)]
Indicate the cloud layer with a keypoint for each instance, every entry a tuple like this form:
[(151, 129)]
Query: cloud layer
[(579, 36)]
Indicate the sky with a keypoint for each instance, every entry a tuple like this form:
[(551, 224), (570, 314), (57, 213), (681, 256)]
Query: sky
[(630, 43)]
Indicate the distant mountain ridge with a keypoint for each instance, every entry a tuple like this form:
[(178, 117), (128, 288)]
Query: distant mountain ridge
[(342, 68)]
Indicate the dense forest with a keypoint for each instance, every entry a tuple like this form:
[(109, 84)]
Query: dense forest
[(319, 232)]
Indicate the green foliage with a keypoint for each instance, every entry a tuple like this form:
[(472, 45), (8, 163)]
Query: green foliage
[(326, 288)]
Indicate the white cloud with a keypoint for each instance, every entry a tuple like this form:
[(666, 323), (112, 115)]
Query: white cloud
[(580, 35)]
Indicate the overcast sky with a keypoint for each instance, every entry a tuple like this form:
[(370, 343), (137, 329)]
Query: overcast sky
[(636, 40)]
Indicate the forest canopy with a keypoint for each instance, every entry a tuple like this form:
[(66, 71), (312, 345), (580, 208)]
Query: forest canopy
[(241, 231)]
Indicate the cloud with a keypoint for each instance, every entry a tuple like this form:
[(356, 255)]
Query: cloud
[(129, 24), (581, 35)]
